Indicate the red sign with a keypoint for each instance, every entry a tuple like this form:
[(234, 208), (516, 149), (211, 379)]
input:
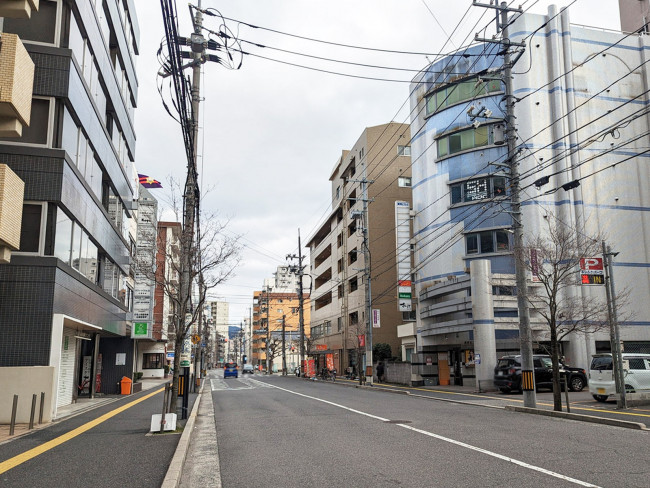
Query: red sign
[(404, 283), (362, 340), (321, 347), (591, 265), (329, 359)]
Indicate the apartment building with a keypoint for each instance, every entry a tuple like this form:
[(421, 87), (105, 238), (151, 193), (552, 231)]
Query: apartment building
[(278, 312), (65, 294), (367, 231)]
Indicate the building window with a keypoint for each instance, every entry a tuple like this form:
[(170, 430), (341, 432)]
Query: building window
[(352, 228), (31, 227), (479, 189), (404, 181), (152, 360), (501, 290), (341, 291), (339, 240), (409, 316), (487, 242), (352, 256), (340, 265), (63, 237), (39, 122), (339, 324), (464, 140), (459, 92), (40, 28), (353, 284), (403, 150), (408, 353), (354, 318)]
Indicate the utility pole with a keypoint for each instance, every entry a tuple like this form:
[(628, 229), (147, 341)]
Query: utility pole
[(614, 330), (268, 334), (284, 346), (527, 367), (367, 277), (301, 319)]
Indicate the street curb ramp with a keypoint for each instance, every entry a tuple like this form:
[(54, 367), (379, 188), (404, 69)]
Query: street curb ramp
[(581, 418)]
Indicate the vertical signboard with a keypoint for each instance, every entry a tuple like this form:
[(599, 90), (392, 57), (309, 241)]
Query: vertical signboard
[(403, 242), (376, 318)]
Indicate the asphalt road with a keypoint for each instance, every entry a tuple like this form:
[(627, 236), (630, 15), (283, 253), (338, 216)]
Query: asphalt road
[(114, 452), (285, 431)]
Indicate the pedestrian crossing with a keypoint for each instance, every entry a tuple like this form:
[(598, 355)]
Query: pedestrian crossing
[(242, 383)]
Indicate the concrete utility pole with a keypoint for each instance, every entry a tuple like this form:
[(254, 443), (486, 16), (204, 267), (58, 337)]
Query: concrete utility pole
[(367, 276), (284, 346), (301, 320), (614, 330), (527, 367), (268, 334)]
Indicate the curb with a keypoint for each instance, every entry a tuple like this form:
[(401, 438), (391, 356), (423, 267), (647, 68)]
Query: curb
[(582, 418), (173, 475)]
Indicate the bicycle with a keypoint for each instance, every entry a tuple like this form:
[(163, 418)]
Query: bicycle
[(325, 375), (84, 384)]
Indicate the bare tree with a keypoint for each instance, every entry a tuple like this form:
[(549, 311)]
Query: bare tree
[(553, 259), (213, 259), (273, 350)]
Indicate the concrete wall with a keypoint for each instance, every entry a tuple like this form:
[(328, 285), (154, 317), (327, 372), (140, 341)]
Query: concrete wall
[(26, 381), (399, 373)]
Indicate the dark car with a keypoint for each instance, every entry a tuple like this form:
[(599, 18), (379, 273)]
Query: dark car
[(230, 369), (507, 374)]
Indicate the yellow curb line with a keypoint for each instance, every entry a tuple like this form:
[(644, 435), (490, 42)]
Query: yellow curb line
[(37, 451)]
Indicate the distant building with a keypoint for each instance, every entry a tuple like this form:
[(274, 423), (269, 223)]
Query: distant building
[(338, 258), (270, 309)]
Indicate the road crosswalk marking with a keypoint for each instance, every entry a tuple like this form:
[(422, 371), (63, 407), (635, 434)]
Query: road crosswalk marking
[(220, 384)]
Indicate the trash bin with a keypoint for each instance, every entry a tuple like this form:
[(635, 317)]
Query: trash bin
[(125, 385)]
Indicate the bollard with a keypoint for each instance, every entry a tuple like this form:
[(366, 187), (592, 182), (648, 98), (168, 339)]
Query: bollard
[(31, 417), (566, 393), (164, 410), (13, 416), (40, 413)]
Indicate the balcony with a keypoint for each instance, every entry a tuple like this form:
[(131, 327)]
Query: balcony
[(11, 211), (16, 84)]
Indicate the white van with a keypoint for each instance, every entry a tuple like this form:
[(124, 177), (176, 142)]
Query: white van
[(636, 371)]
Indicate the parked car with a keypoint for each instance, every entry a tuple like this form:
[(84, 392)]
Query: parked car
[(507, 374), (247, 368), (230, 370), (636, 371)]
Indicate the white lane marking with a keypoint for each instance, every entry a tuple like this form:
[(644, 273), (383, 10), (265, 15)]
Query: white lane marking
[(451, 441)]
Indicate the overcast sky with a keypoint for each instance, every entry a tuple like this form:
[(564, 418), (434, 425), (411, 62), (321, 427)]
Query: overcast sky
[(271, 132)]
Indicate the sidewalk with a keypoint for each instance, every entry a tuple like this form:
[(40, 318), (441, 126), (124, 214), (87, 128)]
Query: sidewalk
[(82, 405)]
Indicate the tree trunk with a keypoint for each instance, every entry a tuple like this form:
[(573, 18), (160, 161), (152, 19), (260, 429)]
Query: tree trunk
[(555, 359), (178, 348)]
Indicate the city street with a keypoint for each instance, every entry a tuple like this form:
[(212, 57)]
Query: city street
[(285, 431)]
